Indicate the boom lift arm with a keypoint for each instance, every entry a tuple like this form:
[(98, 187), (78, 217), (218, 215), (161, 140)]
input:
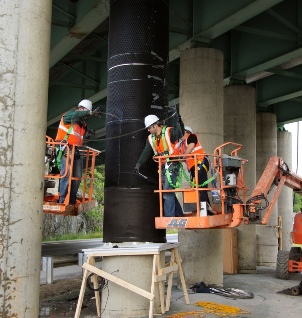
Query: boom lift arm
[(276, 173)]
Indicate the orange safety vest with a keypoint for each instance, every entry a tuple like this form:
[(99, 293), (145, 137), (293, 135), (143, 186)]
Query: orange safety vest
[(75, 136), (196, 150), (164, 146)]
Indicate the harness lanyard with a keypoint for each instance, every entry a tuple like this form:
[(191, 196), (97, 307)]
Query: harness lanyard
[(60, 152), (166, 152)]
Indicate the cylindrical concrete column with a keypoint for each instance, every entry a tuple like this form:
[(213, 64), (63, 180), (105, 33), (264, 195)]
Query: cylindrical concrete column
[(201, 107), (24, 69), (266, 147), (240, 127), (285, 201)]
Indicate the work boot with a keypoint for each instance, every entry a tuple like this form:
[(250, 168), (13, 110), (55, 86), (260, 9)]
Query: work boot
[(210, 211)]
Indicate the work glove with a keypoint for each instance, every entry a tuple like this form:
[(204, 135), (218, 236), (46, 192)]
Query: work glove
[(137, 166), (89, 134)]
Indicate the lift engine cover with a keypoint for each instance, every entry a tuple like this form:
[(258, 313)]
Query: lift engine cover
[(231, 161)]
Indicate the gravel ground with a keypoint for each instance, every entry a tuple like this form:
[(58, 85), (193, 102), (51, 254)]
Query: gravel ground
[(60, 299)]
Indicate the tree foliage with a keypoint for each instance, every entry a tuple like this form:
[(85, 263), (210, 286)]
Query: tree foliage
[(297, 202), (94, 219)]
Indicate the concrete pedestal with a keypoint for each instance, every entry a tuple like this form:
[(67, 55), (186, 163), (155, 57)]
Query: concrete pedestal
[(119, 302)]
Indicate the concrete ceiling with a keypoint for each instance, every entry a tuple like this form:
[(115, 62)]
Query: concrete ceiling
[(261, 41)]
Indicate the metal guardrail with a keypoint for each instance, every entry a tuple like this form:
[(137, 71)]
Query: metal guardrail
[(50, 262)]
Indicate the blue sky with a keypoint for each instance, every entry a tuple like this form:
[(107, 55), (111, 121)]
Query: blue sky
[(296, 130)]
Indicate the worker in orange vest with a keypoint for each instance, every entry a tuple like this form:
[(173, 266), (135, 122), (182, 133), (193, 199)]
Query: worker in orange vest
[(162, 141), (71, 131), (191, 145)]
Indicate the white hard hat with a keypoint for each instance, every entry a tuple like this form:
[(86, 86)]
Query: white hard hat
[(188, 128), (86, 103), (150, 120)]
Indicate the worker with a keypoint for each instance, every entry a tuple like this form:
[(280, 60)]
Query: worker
[(162, 141), (191, 145), (71, 132)]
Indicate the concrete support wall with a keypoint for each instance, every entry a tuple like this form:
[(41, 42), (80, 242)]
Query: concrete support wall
[(266, 147), (201, 107), (285, 202), (24, 69), (240, 127)]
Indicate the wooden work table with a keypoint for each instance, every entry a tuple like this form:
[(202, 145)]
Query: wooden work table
[(158, 276)]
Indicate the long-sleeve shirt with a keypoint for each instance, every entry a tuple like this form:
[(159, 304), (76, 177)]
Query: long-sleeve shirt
[(77, 116)]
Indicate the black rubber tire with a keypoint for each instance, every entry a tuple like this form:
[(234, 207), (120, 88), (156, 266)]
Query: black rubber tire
[(295, 253), (295, 291), (282, 265)]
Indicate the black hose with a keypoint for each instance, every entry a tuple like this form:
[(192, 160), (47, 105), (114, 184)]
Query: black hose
[(102, 283)]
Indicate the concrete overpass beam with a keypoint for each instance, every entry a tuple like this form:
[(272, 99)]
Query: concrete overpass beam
[(85, 26)]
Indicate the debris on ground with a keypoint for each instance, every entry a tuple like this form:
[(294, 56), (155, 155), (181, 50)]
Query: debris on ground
[(233, 293), (210, 307), (220, 310)]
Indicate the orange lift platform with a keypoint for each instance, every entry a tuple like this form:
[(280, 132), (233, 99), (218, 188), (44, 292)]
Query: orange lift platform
[(52, 178), (229, 205)]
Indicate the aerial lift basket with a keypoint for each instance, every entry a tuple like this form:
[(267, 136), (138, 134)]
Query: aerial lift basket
[(228, 194), (52, 178)]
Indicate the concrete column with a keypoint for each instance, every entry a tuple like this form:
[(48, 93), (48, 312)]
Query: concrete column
[(266, 147), (285, 202), (240, 127), (24, 69), (201, 107)]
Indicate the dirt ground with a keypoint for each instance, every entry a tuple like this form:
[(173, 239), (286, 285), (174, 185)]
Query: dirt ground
[(60, 298), (60, 287)]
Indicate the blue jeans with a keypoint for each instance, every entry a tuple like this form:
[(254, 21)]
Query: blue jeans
[(171, 204), (63, 186)]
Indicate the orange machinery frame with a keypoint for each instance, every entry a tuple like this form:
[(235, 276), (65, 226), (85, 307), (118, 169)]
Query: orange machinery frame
[(50, 204), (195, 221), (276, 172)]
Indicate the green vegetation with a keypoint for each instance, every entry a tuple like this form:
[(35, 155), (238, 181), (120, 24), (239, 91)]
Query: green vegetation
[(76, 236), (172, 231), (297, 202), (94, 219)]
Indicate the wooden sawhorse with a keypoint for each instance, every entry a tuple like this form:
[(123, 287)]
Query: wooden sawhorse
[(159, 273)]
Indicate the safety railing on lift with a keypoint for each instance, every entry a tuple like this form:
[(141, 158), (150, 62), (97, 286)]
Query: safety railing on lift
[(85, 202), (226, 181)]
